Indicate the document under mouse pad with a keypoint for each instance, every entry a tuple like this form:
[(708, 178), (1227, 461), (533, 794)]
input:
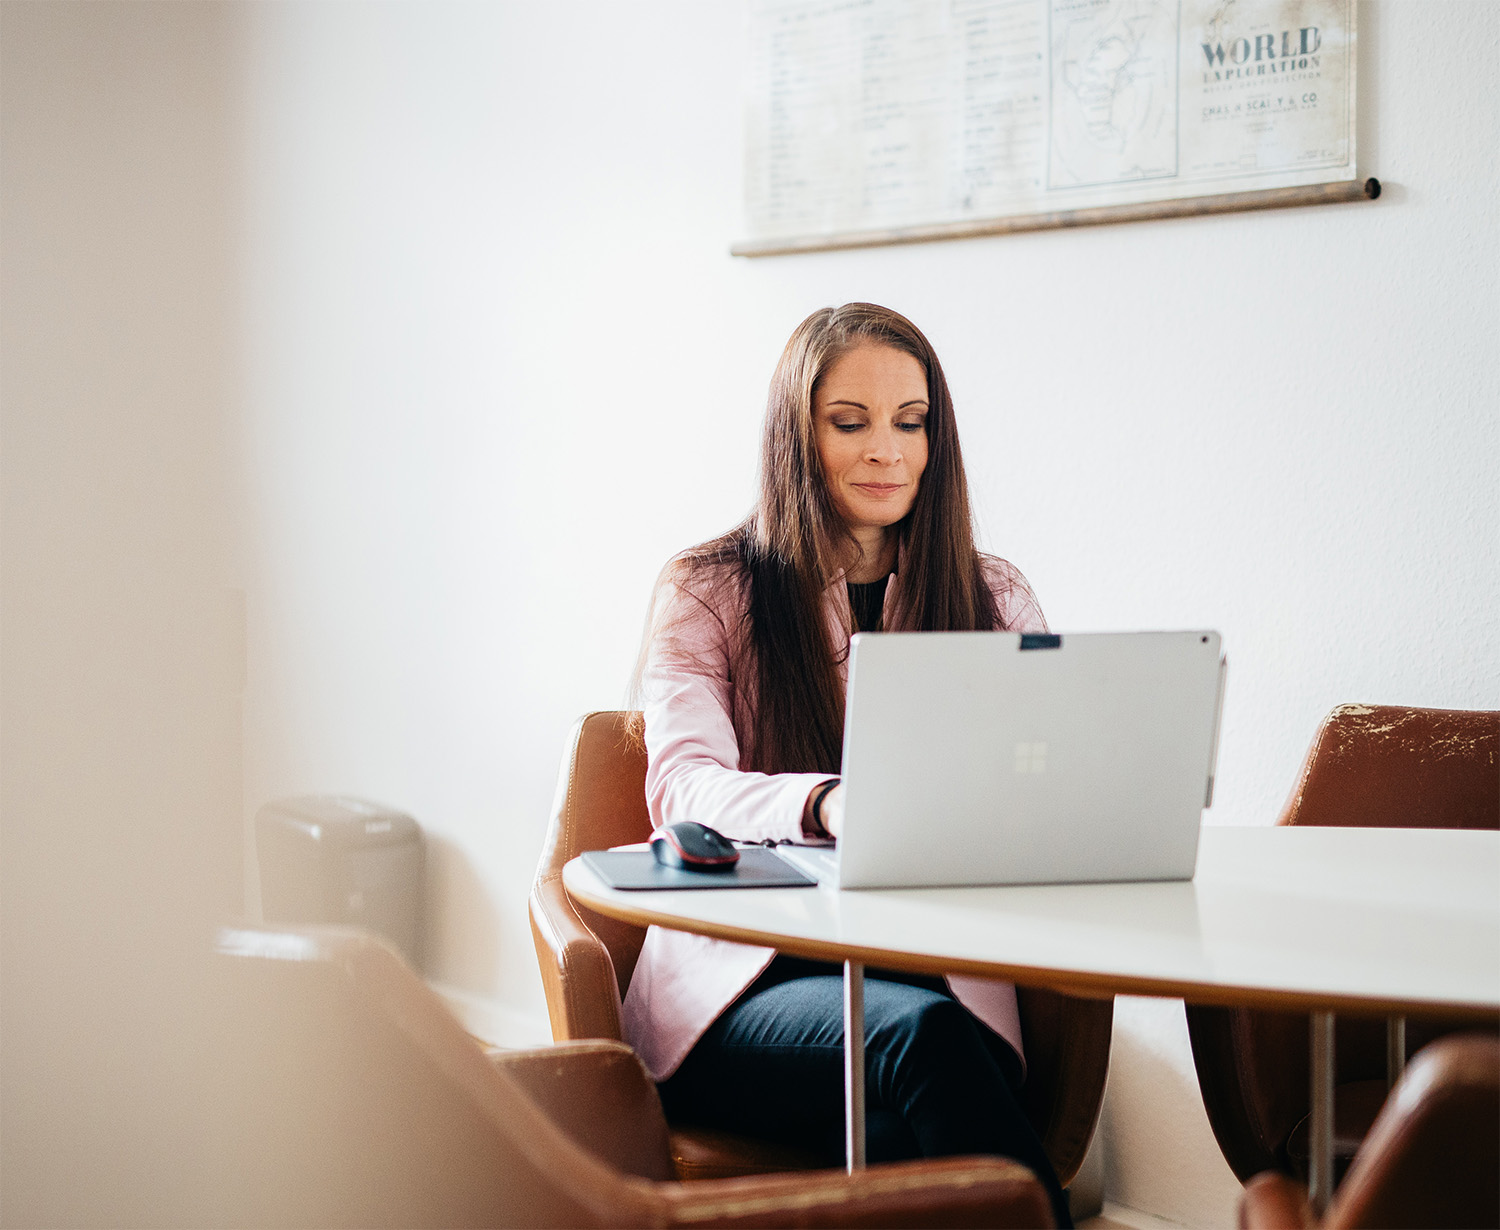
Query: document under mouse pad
[(638, 869)]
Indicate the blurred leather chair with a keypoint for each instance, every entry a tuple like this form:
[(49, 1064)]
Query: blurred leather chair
[(351, 1097), (587, 961), (1430, 1162), (1370, 766)]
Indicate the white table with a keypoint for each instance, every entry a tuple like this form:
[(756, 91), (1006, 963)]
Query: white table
[(1392, 922)]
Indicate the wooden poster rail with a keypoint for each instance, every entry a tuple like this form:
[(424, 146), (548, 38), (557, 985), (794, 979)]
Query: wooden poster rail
[(1182, 207)]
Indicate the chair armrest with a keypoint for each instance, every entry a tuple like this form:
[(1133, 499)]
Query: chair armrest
[(1273, 1201), (969, 1191), (1068, 1040), (583, 999), (599, 1094)]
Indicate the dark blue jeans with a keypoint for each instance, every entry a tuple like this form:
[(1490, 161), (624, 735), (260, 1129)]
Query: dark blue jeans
[(938, 1082)]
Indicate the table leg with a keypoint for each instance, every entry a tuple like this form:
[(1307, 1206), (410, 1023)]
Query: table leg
[(1395, 1050), (1320, 1139), (854, 1065)]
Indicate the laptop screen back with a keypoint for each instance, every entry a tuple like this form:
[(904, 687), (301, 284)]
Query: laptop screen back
[(1009, 758)]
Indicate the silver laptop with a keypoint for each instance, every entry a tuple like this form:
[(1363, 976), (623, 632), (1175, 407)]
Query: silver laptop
[(1024, 758)]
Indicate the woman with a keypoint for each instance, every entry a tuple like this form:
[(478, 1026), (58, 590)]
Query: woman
[(862, 523)]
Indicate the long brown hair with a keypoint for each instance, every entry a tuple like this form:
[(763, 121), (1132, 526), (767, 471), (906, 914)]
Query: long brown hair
[(788, 550)]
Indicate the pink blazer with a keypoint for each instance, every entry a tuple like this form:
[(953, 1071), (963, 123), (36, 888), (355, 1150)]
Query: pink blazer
[(698, 713)]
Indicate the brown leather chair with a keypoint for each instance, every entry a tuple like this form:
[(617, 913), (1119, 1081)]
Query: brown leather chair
[(351, 1097), (1431, 1160), (1371, 766), (587, 961)]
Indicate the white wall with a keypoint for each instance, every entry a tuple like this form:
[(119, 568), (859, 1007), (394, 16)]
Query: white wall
[(499, 366)]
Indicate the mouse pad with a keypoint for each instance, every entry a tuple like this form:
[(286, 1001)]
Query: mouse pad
[(758, 868)]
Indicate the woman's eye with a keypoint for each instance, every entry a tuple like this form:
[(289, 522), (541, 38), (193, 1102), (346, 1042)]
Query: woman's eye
[(847, 427), (912, 427)]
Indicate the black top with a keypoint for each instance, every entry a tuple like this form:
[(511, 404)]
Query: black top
[(866, 602)]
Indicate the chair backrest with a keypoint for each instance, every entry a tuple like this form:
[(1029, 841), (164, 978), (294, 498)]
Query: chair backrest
[(1430, 1162), (1433, 1156), (347, 1095), (1387, 766), (587, 960), (1372, 766)]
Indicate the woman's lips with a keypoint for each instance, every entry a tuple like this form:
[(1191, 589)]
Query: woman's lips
[(878, 490)]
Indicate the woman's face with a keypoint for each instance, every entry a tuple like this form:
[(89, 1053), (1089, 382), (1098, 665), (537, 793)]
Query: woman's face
[(870, 422)]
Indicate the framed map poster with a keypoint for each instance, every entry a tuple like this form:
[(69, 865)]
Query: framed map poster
[(883, 121)]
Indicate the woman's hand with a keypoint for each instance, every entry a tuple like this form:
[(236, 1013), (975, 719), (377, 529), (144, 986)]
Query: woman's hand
[(831, 812), (830, 815)]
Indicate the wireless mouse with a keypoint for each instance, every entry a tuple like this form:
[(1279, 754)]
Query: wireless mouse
[(693, 847)]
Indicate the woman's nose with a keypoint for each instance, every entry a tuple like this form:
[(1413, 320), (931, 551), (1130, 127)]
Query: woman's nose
[(885, 447)]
